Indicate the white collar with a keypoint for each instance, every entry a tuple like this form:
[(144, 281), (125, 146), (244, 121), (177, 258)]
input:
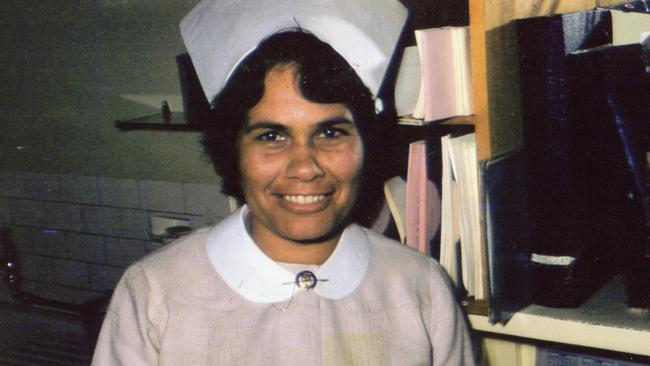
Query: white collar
[(256, 277)]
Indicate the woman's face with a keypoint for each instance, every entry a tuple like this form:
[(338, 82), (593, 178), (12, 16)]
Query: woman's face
[(300, 163)]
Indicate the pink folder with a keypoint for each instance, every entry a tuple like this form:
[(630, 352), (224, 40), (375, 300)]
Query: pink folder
[(422, 200)]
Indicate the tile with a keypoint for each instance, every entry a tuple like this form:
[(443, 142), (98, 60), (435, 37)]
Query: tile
[(27, 212), (69, 273), (205, 200), (26, 239), (122, 252), (101, 220), (50, 291), (11, 184), (63, 216), (104, 277), (83, 296), (194, 221), (85, 247), (135, 224), (5, 212), (5, 294), (41, 186), (79, 189), (35, 267), (52, 243), (161, 196), (40, 241), (118, 192)]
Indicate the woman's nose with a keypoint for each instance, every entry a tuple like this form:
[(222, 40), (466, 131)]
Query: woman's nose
[(303, 163)]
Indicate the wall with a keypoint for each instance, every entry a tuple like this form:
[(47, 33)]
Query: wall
[(65, 66), (75, 191), (76, 234)]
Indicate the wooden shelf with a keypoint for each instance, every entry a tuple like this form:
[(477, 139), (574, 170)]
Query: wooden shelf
[(458, 120), (602, 322)]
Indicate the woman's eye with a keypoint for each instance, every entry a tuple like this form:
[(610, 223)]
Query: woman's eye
[(270, 136), (331, 133)]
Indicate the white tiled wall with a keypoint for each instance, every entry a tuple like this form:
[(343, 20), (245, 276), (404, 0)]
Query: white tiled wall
[(161, 196), (118, 192), (76, 234)]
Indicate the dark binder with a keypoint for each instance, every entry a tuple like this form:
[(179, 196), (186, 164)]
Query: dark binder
[(505, 199), (612, 96), (544, 44)]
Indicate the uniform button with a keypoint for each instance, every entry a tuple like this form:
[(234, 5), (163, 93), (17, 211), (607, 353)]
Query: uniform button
[(306, 280)]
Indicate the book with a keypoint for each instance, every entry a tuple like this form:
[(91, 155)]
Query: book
[(395, 194), (422, 200), (445, 73), (434, 80), (397, 166), (461, 249), (576, 193), (408, 84), (450, 250), (504, 194), (612, 85), (562, 258), (547, 356)]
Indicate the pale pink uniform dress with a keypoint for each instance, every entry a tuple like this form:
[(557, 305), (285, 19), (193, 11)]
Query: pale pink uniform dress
[(213, 298)]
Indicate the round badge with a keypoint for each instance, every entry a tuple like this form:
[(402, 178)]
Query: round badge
[(306, 280)]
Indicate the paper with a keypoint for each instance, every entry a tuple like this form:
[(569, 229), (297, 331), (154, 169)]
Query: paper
[(408, 84), (629, 27), (445, 68), (460, 225)]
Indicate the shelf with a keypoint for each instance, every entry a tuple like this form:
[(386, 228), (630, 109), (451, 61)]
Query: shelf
[(602, 322), (458, 120), (157, 126), (154, 122)]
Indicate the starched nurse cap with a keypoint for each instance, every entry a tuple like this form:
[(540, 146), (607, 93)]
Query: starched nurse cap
[(218, 34)]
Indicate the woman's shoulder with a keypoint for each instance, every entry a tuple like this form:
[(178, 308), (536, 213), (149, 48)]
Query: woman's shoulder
[(182, 249), (173, 261), (388, 246), (180, 270), (392, 254)]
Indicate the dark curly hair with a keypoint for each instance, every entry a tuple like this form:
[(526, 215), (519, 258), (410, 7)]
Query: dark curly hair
[(323, 76)]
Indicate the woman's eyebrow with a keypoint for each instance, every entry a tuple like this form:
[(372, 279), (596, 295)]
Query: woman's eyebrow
[(266, 125), (334, 121), (275, 126)]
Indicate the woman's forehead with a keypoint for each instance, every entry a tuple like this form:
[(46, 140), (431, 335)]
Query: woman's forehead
[(283, 103)]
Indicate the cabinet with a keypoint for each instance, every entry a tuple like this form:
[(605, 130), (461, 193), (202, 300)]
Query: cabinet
[(603, 322)]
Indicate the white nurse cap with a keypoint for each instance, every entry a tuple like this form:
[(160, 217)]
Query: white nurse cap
[(218, 34)]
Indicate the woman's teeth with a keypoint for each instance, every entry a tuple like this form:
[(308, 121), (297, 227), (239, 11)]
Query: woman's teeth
[(302, 199)]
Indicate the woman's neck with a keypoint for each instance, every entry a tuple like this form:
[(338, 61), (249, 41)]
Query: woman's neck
[(287, 251)]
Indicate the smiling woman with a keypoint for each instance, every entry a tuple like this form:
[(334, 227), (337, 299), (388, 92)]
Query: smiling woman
[(290, 278), (300, 165), (318, 75)]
